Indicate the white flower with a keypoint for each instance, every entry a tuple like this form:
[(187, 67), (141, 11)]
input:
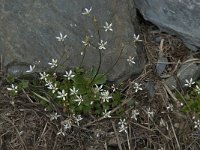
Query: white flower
[(62, 95), (137, 87), (61, 38), (87, 11), (77, 118), (61, 132), (92, 102), (105, 96), (189, 83), (106, 114), (68, 75), (197, 124), (54, 116), (67, 124), (108, 27), (13, 88), (31, 68), (73, 91), (122, 122), (53, 63), (149, 113), (136, 38), (53, 87), (98, 89), (135, 113), (44, 76), (102, 44), (48, 83), (79, 99), (86, 41), (197, 89), (113, 88), (130, 60), (123, 128), (170, 107), (123, 125)]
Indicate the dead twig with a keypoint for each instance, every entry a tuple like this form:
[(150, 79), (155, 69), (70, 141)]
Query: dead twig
[(112, 111), (18, 133), (174, 133), (117, 137), (27, 95)]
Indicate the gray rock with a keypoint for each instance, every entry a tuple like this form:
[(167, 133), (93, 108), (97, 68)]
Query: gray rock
[(28, 30), (171, 82), (150, 86), (179, 17), (187, 71), (161, 65)]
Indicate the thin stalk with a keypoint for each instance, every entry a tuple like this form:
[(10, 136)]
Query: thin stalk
[(115, 62)]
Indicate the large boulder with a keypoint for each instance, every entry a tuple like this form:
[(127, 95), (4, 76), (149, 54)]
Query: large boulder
[(28, 31), (179, 17)]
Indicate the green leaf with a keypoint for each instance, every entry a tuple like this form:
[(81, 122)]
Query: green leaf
[(91, 74), (41, 97), (79, 79), (24, 84), (10, 78), (100, 79)]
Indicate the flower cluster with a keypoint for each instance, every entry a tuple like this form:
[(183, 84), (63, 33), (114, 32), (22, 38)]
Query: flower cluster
[(61, 93), (105, 96), (67, 123)]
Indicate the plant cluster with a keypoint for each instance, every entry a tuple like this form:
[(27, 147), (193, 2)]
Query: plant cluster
[(190, 100), (78, 91)]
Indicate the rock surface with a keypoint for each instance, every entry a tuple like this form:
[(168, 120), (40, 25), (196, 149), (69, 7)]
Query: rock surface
[(179, 17), (186, 71), (28, 30)]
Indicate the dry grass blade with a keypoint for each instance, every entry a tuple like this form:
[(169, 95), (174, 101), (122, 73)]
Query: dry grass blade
[(174, 133), (112, 111), (27, 96), (18, 133), (170, 92), (193, 60), (117, 137), (161, 48)]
